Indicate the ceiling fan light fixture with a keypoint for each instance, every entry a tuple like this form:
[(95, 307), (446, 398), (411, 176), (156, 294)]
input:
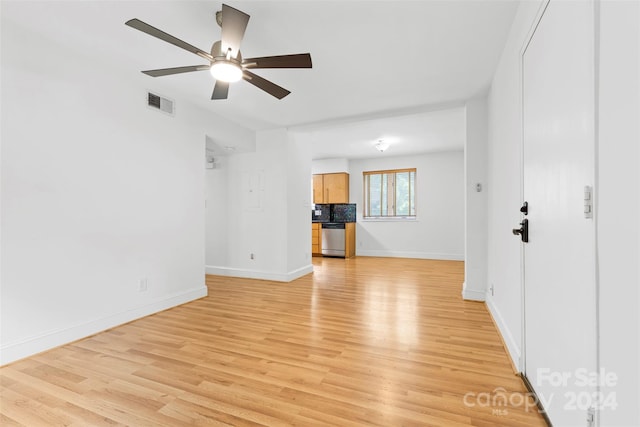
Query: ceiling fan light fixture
[(226, 71), (224, 60)]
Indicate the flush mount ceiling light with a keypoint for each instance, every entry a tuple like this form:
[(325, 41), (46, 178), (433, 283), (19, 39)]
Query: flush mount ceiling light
[(381, 146)]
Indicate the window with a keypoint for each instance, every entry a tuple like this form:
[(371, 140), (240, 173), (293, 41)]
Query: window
[(390, 194)]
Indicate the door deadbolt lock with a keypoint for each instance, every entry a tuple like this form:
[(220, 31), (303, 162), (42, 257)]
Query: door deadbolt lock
[(523, 231)]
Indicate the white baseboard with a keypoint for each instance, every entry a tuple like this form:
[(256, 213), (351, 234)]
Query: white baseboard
[(409, 254), (473, 295), (513, 347), (10, 352), (259, 274)]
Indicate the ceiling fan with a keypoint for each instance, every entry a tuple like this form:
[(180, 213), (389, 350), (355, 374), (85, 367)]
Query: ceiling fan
[(225, 60)]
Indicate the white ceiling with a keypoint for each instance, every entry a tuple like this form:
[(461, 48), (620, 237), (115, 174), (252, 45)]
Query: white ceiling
[(379, 67), (406, 134)]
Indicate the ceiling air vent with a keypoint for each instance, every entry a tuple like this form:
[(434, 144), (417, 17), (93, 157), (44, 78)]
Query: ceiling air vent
[(160, 103)]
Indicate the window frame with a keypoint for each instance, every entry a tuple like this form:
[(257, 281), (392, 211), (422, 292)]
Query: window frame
[(366, 181)]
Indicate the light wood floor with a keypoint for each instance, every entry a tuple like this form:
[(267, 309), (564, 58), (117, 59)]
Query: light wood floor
[(361, 342)]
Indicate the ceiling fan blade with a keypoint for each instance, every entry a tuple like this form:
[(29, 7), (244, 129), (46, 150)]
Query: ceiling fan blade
[(175, 70), (234, 23), (300, 60), (153, 31), (220, 90), (265, 85)]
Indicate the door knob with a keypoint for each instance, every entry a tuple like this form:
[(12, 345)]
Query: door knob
[(523, 231)]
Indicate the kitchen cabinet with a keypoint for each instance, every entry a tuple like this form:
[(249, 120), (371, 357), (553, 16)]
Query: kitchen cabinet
[(318, 188), (331, 188), (316, 239), (349, 239)]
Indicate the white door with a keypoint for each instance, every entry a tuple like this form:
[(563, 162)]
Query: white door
[(559, 259)]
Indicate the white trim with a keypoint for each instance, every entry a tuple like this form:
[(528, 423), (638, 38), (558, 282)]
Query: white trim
[(473, 295), (410, 254), (513, 348), (523, 304), (426, 108), (10, 352), (395, 218), (259, 274)]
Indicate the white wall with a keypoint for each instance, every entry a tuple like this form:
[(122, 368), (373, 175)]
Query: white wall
[(299, 201), (268, 212), (476, 221), (98, 192), (226, 134), (329, 165), (216, 213), (504, 175), (438, 231), (618, 208)]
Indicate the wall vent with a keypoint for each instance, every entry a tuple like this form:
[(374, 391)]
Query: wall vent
[(160, 103)]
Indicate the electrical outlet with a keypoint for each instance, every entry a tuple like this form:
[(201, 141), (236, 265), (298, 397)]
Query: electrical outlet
[(142, 285), (252, 256), (491, 289)]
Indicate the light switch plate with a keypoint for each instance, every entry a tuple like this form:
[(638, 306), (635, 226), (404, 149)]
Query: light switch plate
[(588, 201)]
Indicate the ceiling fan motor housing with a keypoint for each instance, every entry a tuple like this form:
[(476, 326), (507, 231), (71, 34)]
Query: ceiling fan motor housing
[(219, 55)]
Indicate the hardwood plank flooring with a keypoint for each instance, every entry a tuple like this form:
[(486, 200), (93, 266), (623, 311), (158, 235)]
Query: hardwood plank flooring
[(361, 342)]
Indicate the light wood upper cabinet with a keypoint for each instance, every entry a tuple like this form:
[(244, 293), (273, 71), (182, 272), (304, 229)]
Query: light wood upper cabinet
[(336, 188), (318, 189), (331, 188)]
